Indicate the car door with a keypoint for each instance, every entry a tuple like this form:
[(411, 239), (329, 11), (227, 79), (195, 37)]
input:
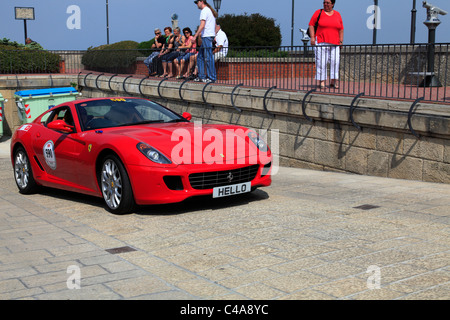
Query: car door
[(57, 151)]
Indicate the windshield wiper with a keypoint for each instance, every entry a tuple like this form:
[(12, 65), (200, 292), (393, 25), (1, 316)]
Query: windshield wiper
[(177, 120), (150, 121), (141, 122)]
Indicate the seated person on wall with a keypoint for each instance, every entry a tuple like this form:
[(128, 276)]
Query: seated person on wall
[(221, 49), (183, 60), (192, 71), (156, 49), (177, 41), (167, 46)]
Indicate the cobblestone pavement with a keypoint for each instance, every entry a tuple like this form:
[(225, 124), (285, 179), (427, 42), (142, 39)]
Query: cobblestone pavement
[(305, 237)]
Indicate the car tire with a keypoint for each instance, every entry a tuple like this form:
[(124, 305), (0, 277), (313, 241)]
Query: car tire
[(115, 186), (23, 174)]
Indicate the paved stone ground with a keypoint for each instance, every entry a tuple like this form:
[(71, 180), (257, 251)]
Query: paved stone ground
[(301, 238)]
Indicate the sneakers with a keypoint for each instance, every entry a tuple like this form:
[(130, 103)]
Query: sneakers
[(204, 80)]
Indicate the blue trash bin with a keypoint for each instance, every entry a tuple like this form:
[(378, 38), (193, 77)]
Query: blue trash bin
[(32, 103)]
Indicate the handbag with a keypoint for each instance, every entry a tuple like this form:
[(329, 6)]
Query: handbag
[(316, 25)]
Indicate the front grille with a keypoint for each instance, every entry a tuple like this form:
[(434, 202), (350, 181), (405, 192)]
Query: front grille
[(210, 180)]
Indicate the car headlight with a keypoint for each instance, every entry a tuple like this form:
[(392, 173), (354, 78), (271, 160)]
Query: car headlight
[(258, 141), (152, 154)]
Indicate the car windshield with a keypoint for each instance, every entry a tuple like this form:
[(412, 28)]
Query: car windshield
[(119, 112)]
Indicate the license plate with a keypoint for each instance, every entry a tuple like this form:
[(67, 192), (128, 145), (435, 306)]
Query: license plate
[(232, 190)]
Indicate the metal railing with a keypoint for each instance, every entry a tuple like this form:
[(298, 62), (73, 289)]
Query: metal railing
[(382, 71), (392, 71)]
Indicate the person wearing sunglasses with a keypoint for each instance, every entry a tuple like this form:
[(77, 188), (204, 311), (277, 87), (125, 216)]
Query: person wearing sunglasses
[(189, 47), (327, 39), (156, 48)]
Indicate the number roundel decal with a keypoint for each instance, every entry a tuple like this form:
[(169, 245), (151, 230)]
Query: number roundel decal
[(49, 154)]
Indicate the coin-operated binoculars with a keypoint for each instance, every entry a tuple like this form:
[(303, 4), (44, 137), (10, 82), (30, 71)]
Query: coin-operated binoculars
[(433, 13), (174, 21), (432, 22), (305, 39)]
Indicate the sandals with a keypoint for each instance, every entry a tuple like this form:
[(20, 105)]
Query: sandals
[(334, 85)]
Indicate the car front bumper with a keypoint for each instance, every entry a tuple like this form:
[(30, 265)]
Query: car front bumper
[(163, 185)]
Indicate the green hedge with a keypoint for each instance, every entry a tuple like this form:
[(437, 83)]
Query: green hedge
[(119, 57), (24, 60), (253, 30), (256, 53), (145, 48)]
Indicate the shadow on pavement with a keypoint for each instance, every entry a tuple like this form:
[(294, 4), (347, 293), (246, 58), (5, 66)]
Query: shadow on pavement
[(188, 205)]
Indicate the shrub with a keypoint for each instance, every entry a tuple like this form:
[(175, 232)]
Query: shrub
[(250, 30), (119, 57), (256, 53), (145, 48), (19, 59), (7, 42)]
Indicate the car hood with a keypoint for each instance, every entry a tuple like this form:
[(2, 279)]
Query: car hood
[(190, 142)]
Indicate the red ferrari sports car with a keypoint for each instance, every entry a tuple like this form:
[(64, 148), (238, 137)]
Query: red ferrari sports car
[(133, 151)]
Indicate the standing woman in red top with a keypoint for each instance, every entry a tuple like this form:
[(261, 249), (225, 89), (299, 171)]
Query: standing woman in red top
[(329, 37)]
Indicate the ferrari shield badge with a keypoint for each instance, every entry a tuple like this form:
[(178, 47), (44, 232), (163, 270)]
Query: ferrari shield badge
[(90, 148), (49, 154)]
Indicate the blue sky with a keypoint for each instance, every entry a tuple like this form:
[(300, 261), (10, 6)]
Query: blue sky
[(136, 20)]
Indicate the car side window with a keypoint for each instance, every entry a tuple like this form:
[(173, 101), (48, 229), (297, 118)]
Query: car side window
[(45, 117), (62, 113)]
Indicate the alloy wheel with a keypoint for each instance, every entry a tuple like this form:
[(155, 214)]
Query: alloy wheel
[(111, 181), (21, 169)]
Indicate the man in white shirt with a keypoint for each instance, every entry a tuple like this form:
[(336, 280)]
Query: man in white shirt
[(221, 49), (207, 30)]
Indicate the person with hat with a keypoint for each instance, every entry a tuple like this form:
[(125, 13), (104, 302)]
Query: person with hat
[(207, 30)]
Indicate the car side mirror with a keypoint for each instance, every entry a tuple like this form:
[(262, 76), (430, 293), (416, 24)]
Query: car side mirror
[(187, 116), (60, 125)]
